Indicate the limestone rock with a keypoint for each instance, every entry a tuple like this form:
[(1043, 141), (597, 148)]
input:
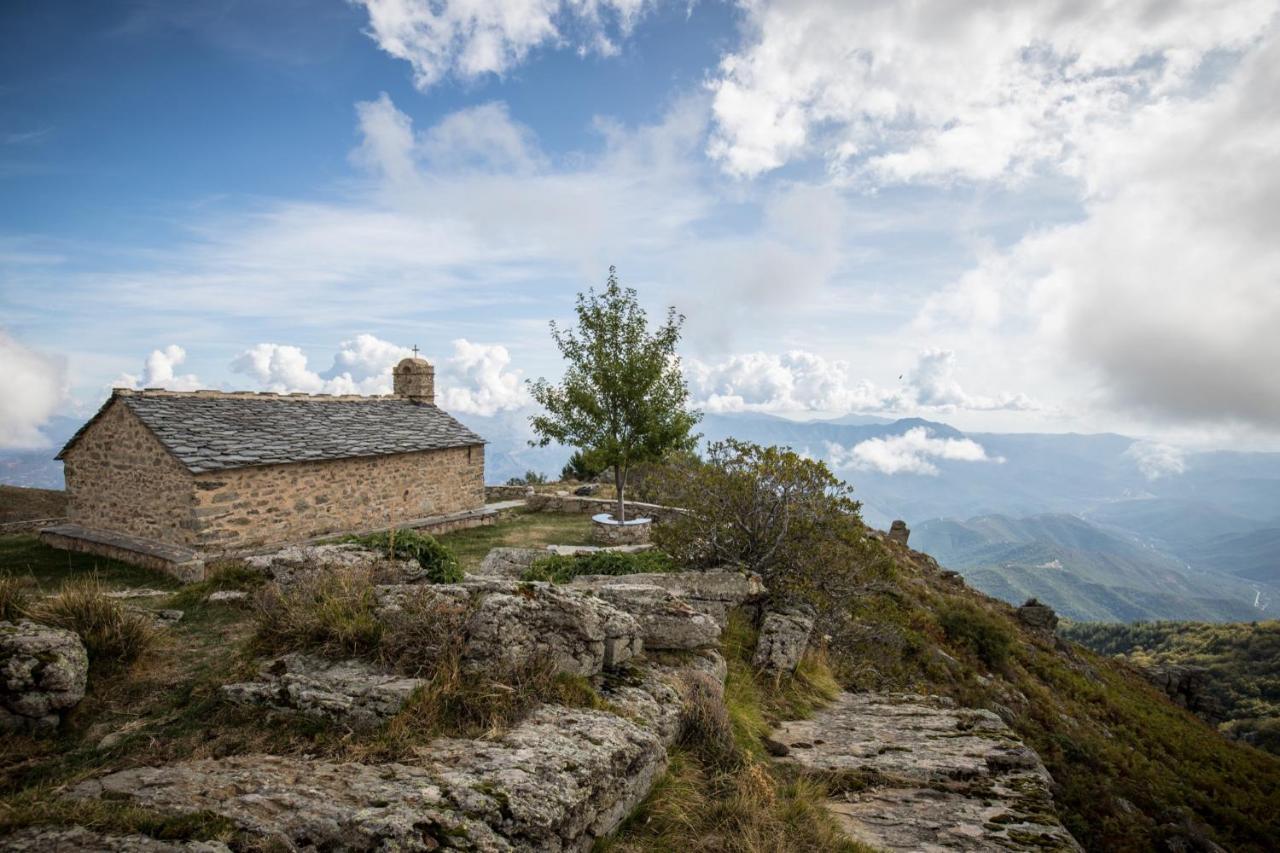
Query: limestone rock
[(289, 564), (652, 694), (77, 839), (1185, 685), (159, 618), (302, 804), (580, 633), (714, 593), (899, 532), (587, 490), (784, 636), (666, 620), (42, 673), (512, 624), (556, 782), (353, 693), (1036, 615), (508, 563), (941, 777), (224, 595)]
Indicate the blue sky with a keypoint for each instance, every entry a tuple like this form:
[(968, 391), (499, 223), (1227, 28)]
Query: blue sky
[(1037, 216)]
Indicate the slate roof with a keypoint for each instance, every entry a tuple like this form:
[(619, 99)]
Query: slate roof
[(214, 433)]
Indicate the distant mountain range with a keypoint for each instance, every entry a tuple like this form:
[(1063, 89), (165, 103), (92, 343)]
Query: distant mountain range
[(1075, 520)]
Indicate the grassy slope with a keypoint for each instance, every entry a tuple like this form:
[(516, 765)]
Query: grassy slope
[(1130, 767), (1242, 662), (19, 504)]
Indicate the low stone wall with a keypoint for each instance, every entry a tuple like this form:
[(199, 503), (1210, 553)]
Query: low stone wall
[(593, 506), (507, 493)]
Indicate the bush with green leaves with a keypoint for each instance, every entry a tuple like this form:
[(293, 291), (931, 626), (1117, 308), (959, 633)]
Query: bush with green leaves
[(762, 509), (583, 466), (436, 559), (968, 626), (529, 478), (562, 568)]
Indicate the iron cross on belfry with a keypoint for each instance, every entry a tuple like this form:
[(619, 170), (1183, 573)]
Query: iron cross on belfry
[(415, 350)]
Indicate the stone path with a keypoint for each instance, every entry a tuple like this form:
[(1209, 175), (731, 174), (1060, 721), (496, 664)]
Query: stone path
[(917, 773)]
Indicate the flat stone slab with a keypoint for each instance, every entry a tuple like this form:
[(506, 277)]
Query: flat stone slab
[(183, 563), (77, 839), (351, 692), (918, 773), (714, 593)]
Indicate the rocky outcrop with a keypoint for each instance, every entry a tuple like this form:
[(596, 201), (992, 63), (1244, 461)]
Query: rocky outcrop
[(1037, 615), (917, 773), (513, 624), (557, 781), (899, 532), (77, 839), (714, 593), (666, 621), (351, 693), (1186, 685), (289, 564), (43, 671), (784, 636), (508, 563)]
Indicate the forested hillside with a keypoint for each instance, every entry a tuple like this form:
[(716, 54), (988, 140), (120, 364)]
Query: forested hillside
[(1241, 663)]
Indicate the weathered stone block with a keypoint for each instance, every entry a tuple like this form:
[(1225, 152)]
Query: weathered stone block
[(42, 674)]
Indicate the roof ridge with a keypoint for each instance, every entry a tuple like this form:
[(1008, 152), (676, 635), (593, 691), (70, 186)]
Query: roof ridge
[(215, 394)]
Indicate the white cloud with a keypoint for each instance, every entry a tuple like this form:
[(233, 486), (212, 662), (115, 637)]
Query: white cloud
[(160, 371), (938, 90), (32, 386), (1157, 460), (1164, 299), (474, 380), (788, 382), (802, 381), (362, 365), (473, 38), (909, 453), (477, 380), (934, 384)]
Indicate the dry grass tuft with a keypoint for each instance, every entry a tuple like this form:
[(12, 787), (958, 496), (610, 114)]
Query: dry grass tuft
[(332, 613), (15, 600), (112, 635), (705, 727)]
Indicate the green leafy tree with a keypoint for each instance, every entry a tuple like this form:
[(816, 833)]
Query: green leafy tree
[(764, 509), (622, 394), (582, 466)]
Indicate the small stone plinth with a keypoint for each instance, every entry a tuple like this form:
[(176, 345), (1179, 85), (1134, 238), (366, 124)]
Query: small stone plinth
[(605, 530)]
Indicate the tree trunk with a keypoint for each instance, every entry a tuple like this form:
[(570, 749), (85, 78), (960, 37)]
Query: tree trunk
[(620, 483)]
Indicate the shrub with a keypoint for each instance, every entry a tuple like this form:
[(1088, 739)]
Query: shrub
[(332, 613), (762, 509), (562, 568), (439, 562), (112, 635), (14, 598), (582, 466), (968, 625), (530, 478)]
